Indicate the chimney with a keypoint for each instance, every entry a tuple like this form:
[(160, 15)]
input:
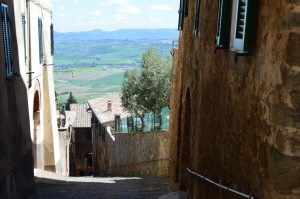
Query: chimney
[(109, 106)]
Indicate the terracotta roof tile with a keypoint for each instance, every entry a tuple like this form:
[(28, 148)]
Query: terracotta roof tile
[(100, 107), (83, 117)]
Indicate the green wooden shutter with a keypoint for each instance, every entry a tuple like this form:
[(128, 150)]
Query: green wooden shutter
[(181, 15), (186, 7), (24, 34), (196, 20), (52, 39), (40, 32), (245, 26), (6, 40), (223, 24)]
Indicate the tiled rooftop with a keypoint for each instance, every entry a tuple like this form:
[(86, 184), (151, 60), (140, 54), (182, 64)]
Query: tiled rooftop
[(83, 117), (100, 107)]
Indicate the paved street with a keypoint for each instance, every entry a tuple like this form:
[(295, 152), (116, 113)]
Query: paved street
[(52, 186)]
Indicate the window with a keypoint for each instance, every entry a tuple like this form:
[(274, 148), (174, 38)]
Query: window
[(183, 11), (6, 40), (181, 15), (24, 33), (196, 21), (186, 7), (52, 39), (243, 26), (223, 24), (40, 32)]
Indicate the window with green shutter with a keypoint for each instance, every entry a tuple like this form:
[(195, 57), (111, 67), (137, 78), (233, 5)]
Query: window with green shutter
[(24, 33), (181, 15), (244, 29), (186, 7), (6, 40), (223, 24), (196, 20), (40, 32), (52, 39)]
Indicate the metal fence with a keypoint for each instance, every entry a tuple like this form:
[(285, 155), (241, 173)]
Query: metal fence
[(150, 122)]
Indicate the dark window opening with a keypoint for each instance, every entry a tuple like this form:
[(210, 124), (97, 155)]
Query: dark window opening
[(196, 20)]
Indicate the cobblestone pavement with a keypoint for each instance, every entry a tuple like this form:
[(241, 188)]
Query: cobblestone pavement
[(52, 186)]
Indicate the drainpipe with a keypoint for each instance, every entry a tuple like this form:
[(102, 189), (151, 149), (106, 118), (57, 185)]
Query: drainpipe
[(29, 44)]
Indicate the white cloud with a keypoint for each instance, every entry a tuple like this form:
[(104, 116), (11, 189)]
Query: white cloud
[(160, 7), (117, 2), (61, 7), (95, 13), (130, 9), (93, 22), (154, 19), (76, 1), (120, 17)]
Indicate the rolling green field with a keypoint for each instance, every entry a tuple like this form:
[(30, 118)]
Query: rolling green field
[(87, 83), (90, 68)]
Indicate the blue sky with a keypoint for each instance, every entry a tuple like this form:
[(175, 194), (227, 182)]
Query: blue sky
[(83, 15)]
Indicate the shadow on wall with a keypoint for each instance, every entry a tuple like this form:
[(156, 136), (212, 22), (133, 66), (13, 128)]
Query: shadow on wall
[(16, 164)]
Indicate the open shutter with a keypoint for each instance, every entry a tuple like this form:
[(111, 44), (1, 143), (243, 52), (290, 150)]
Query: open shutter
[(196, 20), (244, 26), (40, 32), (52, 39), (186, 7), (223, 25), (6, 40), (181, 15), (24, 33)]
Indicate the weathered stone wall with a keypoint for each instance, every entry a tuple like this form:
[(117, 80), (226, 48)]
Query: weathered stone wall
[(16, 165), (64, 137), (244, 116), (135, 153), (175, 126)]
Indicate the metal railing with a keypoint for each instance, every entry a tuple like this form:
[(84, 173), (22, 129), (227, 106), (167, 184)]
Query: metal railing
[(149, 122), (219, 185)]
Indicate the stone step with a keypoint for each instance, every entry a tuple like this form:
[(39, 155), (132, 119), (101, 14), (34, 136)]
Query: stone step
[(174, 195)]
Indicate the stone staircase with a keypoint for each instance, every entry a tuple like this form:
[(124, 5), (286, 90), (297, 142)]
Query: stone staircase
[(174, 195)]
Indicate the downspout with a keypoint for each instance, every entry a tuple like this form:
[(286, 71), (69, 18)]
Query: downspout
[(29, 45)]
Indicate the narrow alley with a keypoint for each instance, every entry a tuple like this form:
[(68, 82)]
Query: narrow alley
[(52, 186)]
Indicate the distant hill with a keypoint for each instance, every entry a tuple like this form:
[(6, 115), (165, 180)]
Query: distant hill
[(123, 34)]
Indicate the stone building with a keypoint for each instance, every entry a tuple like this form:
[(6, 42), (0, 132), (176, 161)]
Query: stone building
[(36, 52), (103, 111), (65, 121), (235, 103), (81, 141), (27, 102), (16, 173), (125, 154)]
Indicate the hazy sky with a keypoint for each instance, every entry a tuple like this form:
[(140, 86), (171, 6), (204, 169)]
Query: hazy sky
[(82, 15)]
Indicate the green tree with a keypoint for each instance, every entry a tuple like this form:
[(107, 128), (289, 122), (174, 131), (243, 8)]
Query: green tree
[(149, 89), (70, 100)]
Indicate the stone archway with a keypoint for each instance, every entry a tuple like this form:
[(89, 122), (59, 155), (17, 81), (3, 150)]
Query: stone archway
[(37, 143), (184, 156)]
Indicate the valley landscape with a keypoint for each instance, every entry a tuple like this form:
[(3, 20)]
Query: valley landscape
[(91, 64)]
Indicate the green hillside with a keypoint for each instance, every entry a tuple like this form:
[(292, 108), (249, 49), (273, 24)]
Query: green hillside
[(91, 68)]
